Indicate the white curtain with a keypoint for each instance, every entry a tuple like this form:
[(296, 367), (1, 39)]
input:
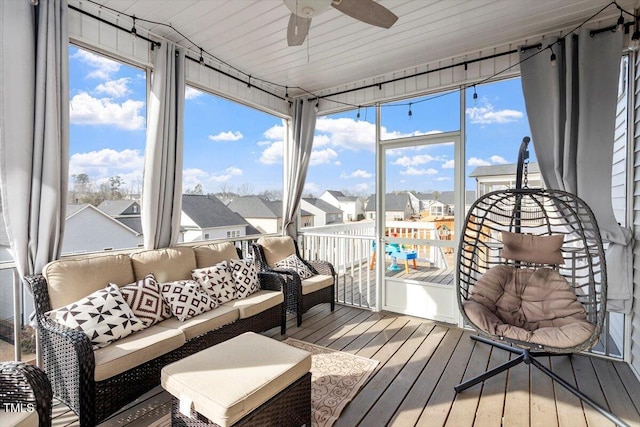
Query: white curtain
[(162, 184), (571, 108), (298, 138), (34, 129)]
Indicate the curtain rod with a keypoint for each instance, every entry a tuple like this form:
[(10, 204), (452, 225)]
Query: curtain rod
[(154, 43)]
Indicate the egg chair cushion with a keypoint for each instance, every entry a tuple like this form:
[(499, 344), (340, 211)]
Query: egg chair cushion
[(530, 305)]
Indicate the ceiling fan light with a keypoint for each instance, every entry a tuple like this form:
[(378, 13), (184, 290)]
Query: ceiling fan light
[(307, 8)]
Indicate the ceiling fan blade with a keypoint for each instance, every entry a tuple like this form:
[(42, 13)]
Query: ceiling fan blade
[(367, 11), (297, 30)]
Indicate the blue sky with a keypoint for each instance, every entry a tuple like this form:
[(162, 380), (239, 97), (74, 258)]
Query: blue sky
[(231, 146)]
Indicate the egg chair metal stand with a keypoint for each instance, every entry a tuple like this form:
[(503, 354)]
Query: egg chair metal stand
[(532, 214)]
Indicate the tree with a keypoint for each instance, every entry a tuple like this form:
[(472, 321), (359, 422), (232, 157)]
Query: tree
[(197, 189), (245, 189), (115, 187)]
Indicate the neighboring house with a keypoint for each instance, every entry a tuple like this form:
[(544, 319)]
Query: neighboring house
[(500, 177), (125, 211), (323, 213), (398, 207), (89, 229), (205, 217), (350, 206), (264, 215)]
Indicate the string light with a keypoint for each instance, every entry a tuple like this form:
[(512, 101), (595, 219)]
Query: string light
[(286, 93), (134, 32), (635, 41), (317, 108), (475, 95), (249, 85), (553, 56), (635, 38), (358, 115), (410, 112), (201, 58)]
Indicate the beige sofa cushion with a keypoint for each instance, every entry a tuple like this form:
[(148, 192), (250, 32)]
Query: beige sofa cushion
[(167, 264), (129, 352), (205, 322), (235, 377), (315, 283), (276, 248), (69, 280), (257, 302), (212, 254)]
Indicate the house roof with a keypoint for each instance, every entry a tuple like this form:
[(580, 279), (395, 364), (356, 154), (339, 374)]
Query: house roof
[(116, 207), (74, 209), (133, 222), (499, 170), (394, 202), (322, 205), (339, 195), (255, 207), (207, 211)]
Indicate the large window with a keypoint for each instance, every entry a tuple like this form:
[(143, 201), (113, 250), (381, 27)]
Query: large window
[(107, 140), (232, 176)]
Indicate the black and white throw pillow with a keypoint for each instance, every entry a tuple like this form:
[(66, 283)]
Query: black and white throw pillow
[(103, 315), (245, 276), (186, 298), (217, 282), (145, 299), (295, 263)]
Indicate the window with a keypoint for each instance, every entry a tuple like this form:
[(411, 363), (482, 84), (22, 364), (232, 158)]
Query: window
[(107, 138), (206, 236)]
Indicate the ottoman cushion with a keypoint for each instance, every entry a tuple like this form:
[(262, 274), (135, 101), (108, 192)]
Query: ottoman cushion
[(229, 380)]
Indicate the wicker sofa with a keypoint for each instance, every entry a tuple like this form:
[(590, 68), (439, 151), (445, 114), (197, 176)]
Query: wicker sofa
[(25, 395), (96, 383)]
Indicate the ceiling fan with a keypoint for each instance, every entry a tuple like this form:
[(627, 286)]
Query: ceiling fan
[(302, 11)]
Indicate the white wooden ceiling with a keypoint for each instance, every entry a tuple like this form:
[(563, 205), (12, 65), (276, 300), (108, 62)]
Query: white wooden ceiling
[(251, 34)]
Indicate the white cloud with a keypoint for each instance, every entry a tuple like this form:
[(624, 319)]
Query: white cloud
[(488, 115), (449, 164), (443, 178), (495, 159), (474, 161), (105, 163), (191, 93), (359, 173), (272, 154), (414, 160), (114, 88), (417, 172), (319, 157), (263, 143), (311, 188), (275, 132), (227, 136), (102, 67), (337, 163), (228, 173), (362, 188), (87, 110)]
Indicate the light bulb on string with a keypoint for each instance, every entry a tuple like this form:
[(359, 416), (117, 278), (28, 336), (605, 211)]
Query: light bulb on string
[(635, 38), (620, 23), (201, 57), (410, 112), (134, 32), (358, 115), (553, 57), (475, 95), (249, 85), (317, 107), (286, 92)]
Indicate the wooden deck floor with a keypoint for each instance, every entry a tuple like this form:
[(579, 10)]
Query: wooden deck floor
[(420, 362)]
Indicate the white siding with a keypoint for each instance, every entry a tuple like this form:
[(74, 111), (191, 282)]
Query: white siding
[(90, 231), (635, 315)]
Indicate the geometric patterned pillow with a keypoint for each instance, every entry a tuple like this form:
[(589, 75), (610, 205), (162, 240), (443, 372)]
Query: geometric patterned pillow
[(245, 276), (217, 282), (104, 316), (145, 299), (186, 298), (295, 263)]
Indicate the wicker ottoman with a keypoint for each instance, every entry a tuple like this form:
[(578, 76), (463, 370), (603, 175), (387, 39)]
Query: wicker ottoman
[(249, 380)]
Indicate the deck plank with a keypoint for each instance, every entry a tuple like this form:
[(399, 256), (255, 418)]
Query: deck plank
[(412, 406), (419, 363)]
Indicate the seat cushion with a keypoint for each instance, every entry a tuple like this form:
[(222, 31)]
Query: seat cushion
[(214, 253), (167, 264), (235, 377), (315, 283), (276, 248), (257, 303), (69, 280), (204, 322), (536, 306), (141, 347)]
